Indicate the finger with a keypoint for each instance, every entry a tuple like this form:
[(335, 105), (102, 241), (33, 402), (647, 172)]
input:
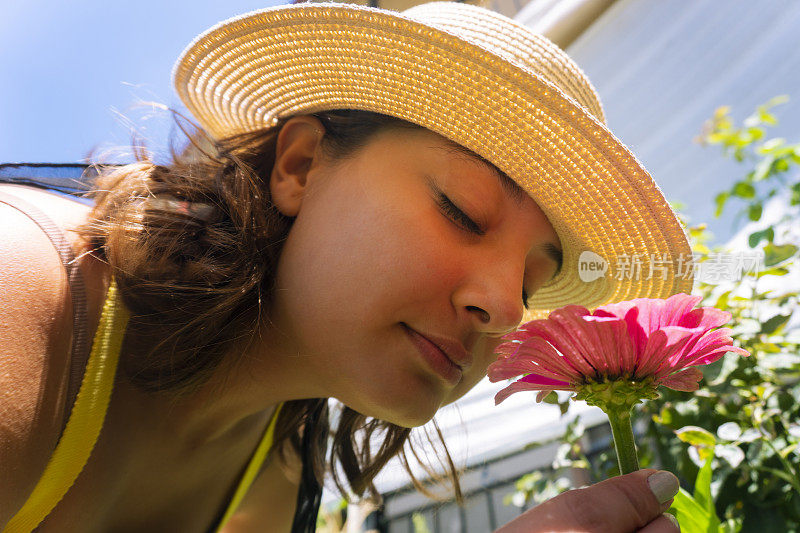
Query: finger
[(626, 503), (618, 505), (666, 523)]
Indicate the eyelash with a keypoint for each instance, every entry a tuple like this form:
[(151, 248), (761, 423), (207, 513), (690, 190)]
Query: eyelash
[(458, 216)]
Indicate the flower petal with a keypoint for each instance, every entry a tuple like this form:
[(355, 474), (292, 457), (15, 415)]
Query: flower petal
[(661, 345), (642, 338), (670, 312), (709, 348), (507, 348), (533, 355), (533, 379), (705, 318), (636, 332), (519, 386), (686, 380), (548, 357), (553, 333), (614, 345), (572, 336), (500, 370), (647, 315)]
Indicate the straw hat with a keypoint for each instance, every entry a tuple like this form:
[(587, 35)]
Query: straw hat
[(478, 78)]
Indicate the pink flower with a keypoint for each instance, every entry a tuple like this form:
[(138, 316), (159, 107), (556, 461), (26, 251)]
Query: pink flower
[(643, 343)]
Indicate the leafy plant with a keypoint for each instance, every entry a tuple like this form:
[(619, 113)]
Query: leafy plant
[(743, 422), (735, 443), (696, 512)]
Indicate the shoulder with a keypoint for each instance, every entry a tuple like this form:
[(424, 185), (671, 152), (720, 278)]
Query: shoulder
[(35, 341)]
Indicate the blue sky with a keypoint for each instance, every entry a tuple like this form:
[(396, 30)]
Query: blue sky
[(67, 69)]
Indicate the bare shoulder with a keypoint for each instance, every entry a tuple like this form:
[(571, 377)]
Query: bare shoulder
[(35, 341)]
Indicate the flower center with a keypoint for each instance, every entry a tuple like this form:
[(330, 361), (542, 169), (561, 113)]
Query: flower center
[(616, 393)]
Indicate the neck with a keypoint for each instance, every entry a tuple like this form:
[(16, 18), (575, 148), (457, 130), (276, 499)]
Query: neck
[(241, 392)]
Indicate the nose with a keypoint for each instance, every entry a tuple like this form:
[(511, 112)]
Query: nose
[(493, 297)]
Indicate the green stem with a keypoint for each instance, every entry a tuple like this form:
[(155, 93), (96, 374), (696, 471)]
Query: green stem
[(622, 431)]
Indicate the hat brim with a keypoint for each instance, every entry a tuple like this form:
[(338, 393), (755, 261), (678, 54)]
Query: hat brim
[(248, 72)]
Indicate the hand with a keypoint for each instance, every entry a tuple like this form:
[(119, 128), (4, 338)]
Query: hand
[(623, 504)]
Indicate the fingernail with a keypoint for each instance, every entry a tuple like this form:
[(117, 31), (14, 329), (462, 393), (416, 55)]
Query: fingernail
[(664, 485), (674, 520)]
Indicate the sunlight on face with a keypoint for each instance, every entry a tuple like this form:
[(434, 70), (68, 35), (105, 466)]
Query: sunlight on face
[(408, 235)]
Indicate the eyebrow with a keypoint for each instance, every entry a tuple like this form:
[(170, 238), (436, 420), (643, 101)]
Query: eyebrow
[(511, 187)]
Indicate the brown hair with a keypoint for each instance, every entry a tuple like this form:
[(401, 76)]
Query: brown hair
[(198, 286)]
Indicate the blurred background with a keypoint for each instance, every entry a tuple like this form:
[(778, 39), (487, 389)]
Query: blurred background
[(75, 79)]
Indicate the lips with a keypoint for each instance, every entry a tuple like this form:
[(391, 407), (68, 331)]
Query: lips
[(452, 350)]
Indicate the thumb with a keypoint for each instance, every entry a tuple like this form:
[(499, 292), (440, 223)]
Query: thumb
[(621, 504)]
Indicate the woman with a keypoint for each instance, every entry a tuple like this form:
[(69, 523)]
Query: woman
[(372, 201)]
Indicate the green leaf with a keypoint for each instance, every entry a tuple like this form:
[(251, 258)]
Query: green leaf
[(742, 189), (795, 195), (551, 398), (720, 200), (702, 486), (664, 417), (702, 495), (774, 254), (756, 237), (722, 301), (754, 211), (755, 133), (775, 323), (696, 436), (691, 515)]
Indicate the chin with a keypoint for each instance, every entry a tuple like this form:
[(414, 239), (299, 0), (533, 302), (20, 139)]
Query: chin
[(411, 422), (405, 414)]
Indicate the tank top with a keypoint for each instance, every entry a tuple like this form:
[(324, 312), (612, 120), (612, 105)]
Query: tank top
[(90, 385)]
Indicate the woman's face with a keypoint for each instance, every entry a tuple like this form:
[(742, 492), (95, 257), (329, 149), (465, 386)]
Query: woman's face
[(375, 252)]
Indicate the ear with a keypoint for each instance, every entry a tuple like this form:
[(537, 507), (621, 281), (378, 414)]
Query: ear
[(295, 151)]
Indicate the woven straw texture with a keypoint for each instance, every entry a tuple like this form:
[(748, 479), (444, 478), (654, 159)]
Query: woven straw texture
[(473, 76)]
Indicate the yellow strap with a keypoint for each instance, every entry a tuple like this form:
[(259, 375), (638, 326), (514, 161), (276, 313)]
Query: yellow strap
[(85, 422), (252, 470)]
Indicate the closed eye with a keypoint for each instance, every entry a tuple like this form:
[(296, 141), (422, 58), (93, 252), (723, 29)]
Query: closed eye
[(463, 220), (457, 215)]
